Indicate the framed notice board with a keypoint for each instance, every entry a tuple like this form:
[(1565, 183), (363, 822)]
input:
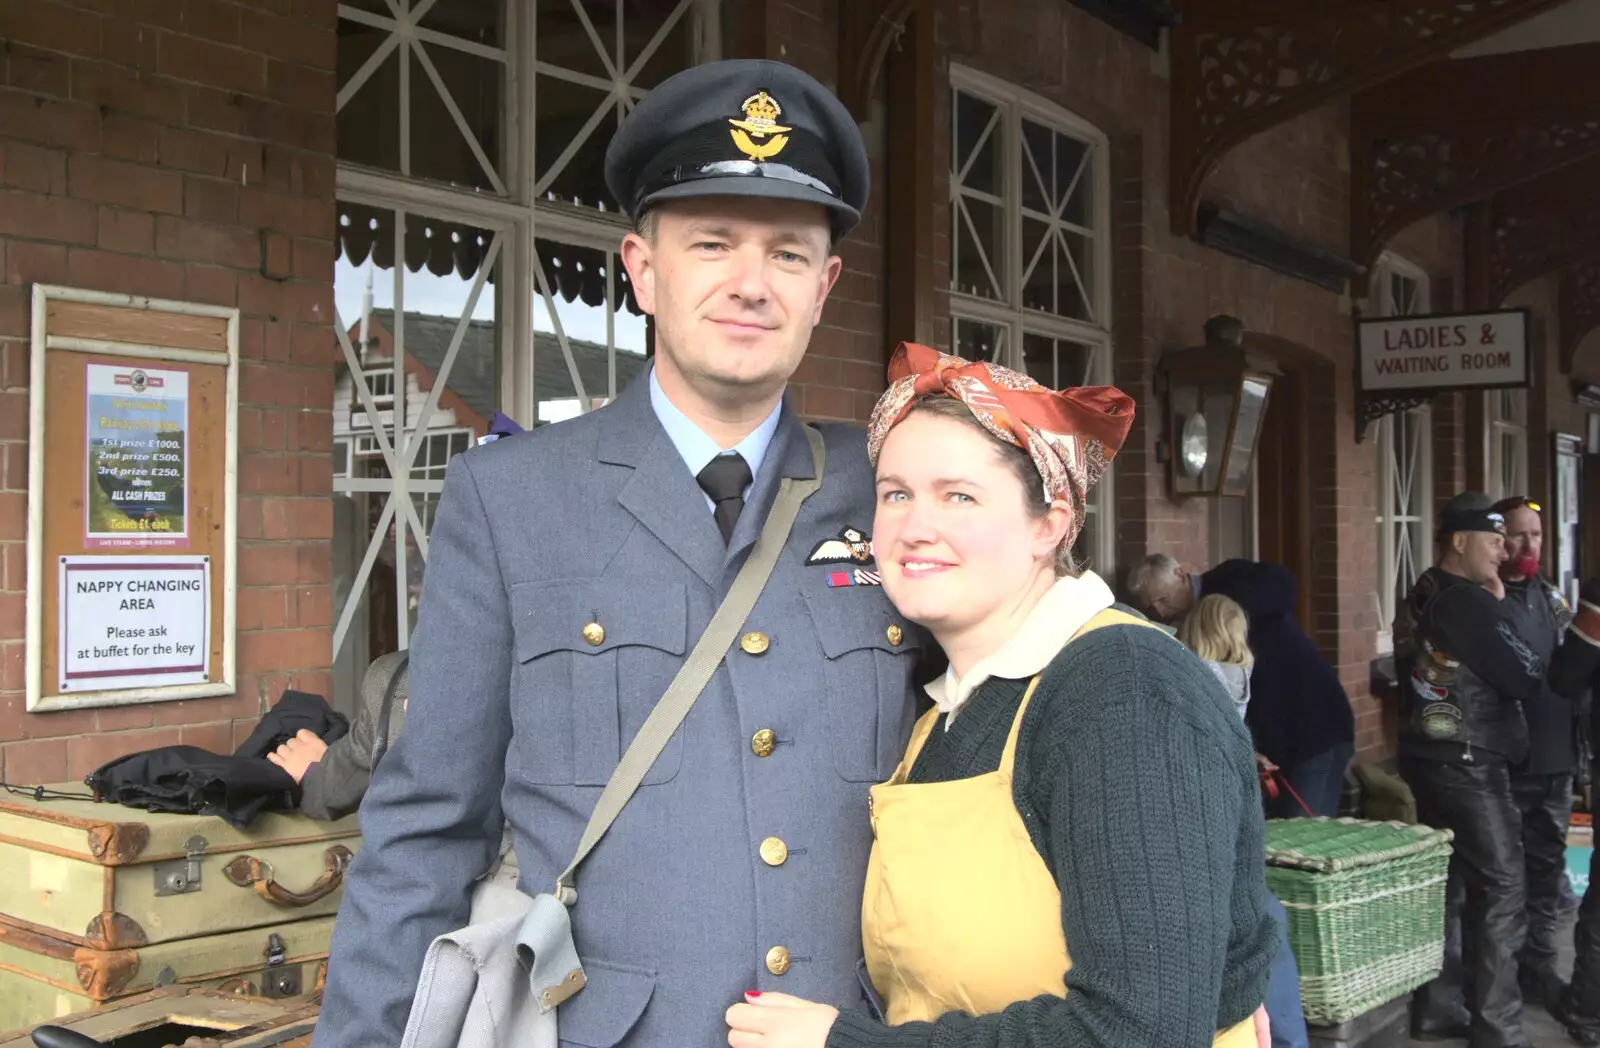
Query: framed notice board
[(132, 500)]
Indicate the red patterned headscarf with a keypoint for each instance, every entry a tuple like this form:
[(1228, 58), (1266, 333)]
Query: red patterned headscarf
[(1071, 436)]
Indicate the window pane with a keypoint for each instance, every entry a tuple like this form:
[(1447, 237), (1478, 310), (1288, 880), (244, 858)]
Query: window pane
[(1074, 181), (978, 156), (1039, 260), (589, 335), (980, 341), (1074, 276), (979, 266), (424, 137), (1038, 168), (1056, 363), (590, 53), (443, 346)]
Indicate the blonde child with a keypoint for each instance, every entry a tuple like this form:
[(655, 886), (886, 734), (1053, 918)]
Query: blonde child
[(1217, 631)]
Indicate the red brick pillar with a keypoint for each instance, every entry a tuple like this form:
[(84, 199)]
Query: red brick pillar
[(184, 151)]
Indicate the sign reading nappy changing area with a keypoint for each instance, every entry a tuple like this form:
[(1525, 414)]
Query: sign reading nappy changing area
[(131, 500), (134, 622)]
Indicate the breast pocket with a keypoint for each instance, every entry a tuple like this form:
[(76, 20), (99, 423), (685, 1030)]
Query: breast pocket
[(593, 658), (871, 654)]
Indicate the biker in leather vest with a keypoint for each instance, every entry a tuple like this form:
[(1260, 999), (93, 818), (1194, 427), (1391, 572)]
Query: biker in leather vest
[(1451, 709)]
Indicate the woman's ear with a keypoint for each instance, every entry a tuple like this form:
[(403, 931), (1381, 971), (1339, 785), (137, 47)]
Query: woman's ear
[(1053, 527)]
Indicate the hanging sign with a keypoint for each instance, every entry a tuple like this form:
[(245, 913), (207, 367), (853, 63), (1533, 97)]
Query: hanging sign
[(137, 447), (133, 622), (1448, 351)]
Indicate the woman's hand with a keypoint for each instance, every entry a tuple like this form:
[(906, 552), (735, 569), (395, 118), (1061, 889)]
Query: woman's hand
[(776, 1020), (1263, 1028)]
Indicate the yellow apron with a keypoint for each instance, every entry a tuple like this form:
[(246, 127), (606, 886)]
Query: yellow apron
[(960, 913)]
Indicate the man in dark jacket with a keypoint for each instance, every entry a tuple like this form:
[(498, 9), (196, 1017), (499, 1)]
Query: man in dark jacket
[(1467, 674), (1299, 712), (1542, 785)]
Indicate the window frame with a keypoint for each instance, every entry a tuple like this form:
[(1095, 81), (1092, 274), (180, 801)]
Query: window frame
[(1386, 518), (1506, 411), (1014, 319), (516, 214)]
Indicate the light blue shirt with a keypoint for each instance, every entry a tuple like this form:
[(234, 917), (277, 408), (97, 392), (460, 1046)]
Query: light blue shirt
[(697, 450)]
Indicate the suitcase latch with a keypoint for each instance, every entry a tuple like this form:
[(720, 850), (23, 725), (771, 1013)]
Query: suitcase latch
[(278, 981), (181, 876)]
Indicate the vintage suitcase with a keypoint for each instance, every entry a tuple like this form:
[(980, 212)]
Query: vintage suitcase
[(113, 878), (42, 978), (173, 1015)]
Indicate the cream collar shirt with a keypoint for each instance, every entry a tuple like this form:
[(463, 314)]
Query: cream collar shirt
[(1064, 609)]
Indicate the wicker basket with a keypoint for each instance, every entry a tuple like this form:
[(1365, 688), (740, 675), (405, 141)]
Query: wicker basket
[(1366, 909)]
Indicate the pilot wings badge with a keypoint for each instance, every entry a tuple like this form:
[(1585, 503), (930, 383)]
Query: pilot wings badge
[(853, 546)]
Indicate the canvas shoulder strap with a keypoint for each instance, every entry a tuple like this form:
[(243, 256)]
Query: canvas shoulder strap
[(702, 662)]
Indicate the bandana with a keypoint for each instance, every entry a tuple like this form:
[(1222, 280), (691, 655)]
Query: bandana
[(1071, 436)]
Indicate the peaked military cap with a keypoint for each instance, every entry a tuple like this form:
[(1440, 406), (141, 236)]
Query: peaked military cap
[(742, 127)]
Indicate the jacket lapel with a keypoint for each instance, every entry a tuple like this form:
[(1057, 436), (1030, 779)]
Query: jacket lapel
[(789, 455), (662, 494)]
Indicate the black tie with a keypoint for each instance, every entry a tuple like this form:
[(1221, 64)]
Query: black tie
[(724, 480)]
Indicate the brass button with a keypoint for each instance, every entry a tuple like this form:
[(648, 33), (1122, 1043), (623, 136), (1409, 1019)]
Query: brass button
[(754, 643), (595, 634), (777, 960), (763, 742), (774, 851), (895, 634)]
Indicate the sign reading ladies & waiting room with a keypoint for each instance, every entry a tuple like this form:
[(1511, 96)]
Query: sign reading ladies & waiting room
[(1444, 351)]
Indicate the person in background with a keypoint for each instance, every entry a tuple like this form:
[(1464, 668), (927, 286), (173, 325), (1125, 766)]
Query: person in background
[(1299, 712), (1031, 883), (1541, 785), (1468, 675), (333, 778), (1217, 631), (1578, 1007)]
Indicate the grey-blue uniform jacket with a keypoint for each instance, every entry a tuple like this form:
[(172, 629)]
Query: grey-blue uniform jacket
[(517, 705)]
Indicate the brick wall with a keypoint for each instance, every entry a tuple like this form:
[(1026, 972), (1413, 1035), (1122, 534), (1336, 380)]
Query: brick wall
[(182, 150), (843, 370)]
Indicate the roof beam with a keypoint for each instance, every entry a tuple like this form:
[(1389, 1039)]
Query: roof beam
[(1453, 132), (1240, 67), (1544, 225)]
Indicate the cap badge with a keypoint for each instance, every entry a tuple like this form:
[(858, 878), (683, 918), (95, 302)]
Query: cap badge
[(759, 136)]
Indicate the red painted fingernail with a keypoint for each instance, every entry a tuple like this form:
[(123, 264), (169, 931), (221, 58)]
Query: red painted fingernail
[(752, 993)]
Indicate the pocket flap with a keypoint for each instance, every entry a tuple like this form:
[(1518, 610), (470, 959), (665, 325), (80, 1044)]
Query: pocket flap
[(855, 618), (553, 616), (608, 1006)]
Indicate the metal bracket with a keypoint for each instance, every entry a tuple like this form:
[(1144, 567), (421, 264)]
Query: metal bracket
[(278, 982), (1371, 409), (181, 876)]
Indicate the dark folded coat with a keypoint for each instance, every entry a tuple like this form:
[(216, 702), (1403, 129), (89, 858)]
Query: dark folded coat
[(236, 787)]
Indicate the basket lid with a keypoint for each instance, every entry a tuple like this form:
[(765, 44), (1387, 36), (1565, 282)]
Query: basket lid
[(1331, 845)]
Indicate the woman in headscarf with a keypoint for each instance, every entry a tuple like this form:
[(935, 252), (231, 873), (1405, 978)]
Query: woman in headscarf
[(1070, 852)]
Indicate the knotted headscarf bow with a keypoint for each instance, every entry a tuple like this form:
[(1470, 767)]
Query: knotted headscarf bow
[(1071, 436)]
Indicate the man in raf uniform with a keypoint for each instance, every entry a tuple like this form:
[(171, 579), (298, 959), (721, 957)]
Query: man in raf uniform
[(572, 567)]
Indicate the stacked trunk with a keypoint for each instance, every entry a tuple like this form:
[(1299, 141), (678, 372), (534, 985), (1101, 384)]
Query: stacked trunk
[(99, 903)]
